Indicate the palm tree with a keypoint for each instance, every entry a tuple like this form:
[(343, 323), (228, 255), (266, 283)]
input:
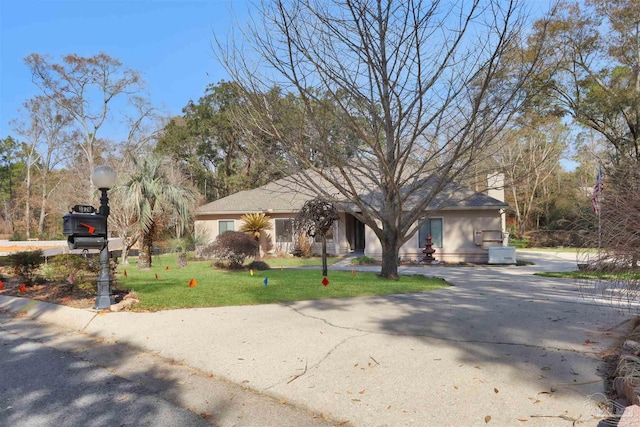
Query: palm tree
[(153, 188), (254, 224)]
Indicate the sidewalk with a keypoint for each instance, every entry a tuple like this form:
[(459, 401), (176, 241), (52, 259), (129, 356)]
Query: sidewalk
[(500, 346)]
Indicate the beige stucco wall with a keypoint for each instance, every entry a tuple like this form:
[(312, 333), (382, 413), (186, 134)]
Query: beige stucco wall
[(458, 231), (207, 227)]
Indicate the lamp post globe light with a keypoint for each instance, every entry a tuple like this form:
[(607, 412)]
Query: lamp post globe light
[(104, 177)]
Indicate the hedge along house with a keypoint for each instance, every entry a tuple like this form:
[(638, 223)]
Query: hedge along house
[(463, 224)]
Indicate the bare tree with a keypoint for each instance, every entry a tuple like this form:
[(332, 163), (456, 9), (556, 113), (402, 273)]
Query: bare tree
[(396, 99), (51, 125), (617, 239), (529, 157), (33, 134), (87, 88)]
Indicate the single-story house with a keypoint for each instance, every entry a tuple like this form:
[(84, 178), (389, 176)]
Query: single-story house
[(462, 230)]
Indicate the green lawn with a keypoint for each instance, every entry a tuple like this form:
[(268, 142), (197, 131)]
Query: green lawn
[(628, 275), (561, 249), (162, 288), (291, 261)]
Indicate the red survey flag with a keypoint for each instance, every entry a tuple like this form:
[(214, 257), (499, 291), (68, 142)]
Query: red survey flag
[(23, 288), (193, 283), (325, 281)]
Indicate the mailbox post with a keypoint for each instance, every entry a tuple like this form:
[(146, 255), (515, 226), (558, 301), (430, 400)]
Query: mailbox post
[(87, 229), (104, 178)]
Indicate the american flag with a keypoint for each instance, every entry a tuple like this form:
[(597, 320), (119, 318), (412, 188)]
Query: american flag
[(597, 191)]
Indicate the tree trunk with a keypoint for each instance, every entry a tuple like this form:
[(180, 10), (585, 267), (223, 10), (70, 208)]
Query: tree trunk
[(27, 206), (390, 251), (258, 255), (324, 255), (182, 259), (43, 209), (125, 256), (146, 248)]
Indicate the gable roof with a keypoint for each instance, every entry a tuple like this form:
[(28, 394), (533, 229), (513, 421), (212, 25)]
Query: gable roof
[(288, 195), (283, 195)]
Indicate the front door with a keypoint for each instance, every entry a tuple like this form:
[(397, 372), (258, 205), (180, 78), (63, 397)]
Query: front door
[(355, 233)]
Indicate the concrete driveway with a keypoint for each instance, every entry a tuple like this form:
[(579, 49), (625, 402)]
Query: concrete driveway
[(501, 347)]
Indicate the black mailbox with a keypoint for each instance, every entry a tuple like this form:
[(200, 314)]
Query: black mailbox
[(85, 231)]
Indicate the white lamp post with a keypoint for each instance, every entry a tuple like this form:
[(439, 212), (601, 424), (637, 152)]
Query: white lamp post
[(104, 177)]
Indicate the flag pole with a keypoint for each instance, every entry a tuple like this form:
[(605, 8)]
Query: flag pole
[(595, 200), (599, 235)]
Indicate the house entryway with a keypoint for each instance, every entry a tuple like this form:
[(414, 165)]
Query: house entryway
[(355, 234)]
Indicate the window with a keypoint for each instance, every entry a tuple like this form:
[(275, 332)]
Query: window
[(284, 230), (433, 227), (226, 225)]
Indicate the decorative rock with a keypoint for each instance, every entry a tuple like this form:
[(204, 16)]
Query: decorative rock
[(620, 405), (126, 302), (631, 392), (630, 417)]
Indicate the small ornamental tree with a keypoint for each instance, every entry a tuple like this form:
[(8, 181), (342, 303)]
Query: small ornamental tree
[(254, 224), (316, 219), (233, 247)]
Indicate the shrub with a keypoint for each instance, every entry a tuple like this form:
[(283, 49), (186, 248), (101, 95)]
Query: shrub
[(60, 268), (233, 247), (26, 263), (302, 246), (555, 238), (363, 260), (259, 266), (84, 270)]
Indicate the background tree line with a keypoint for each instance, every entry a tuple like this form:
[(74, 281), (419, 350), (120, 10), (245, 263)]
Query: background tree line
[(385, 106)]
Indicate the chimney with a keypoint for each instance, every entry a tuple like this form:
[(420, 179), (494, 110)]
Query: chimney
[(495, 184)]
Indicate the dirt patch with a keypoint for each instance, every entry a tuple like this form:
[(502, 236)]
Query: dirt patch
[(55, 293)]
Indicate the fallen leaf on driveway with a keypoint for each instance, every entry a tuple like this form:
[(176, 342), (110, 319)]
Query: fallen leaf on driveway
[(487, 419), (495, 390)]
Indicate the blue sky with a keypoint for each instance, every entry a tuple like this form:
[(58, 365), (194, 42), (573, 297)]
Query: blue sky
[(167, 41)]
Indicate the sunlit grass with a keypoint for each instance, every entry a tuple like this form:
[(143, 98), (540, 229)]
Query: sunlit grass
[(620, 275), (291, 261), (165, 286)]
